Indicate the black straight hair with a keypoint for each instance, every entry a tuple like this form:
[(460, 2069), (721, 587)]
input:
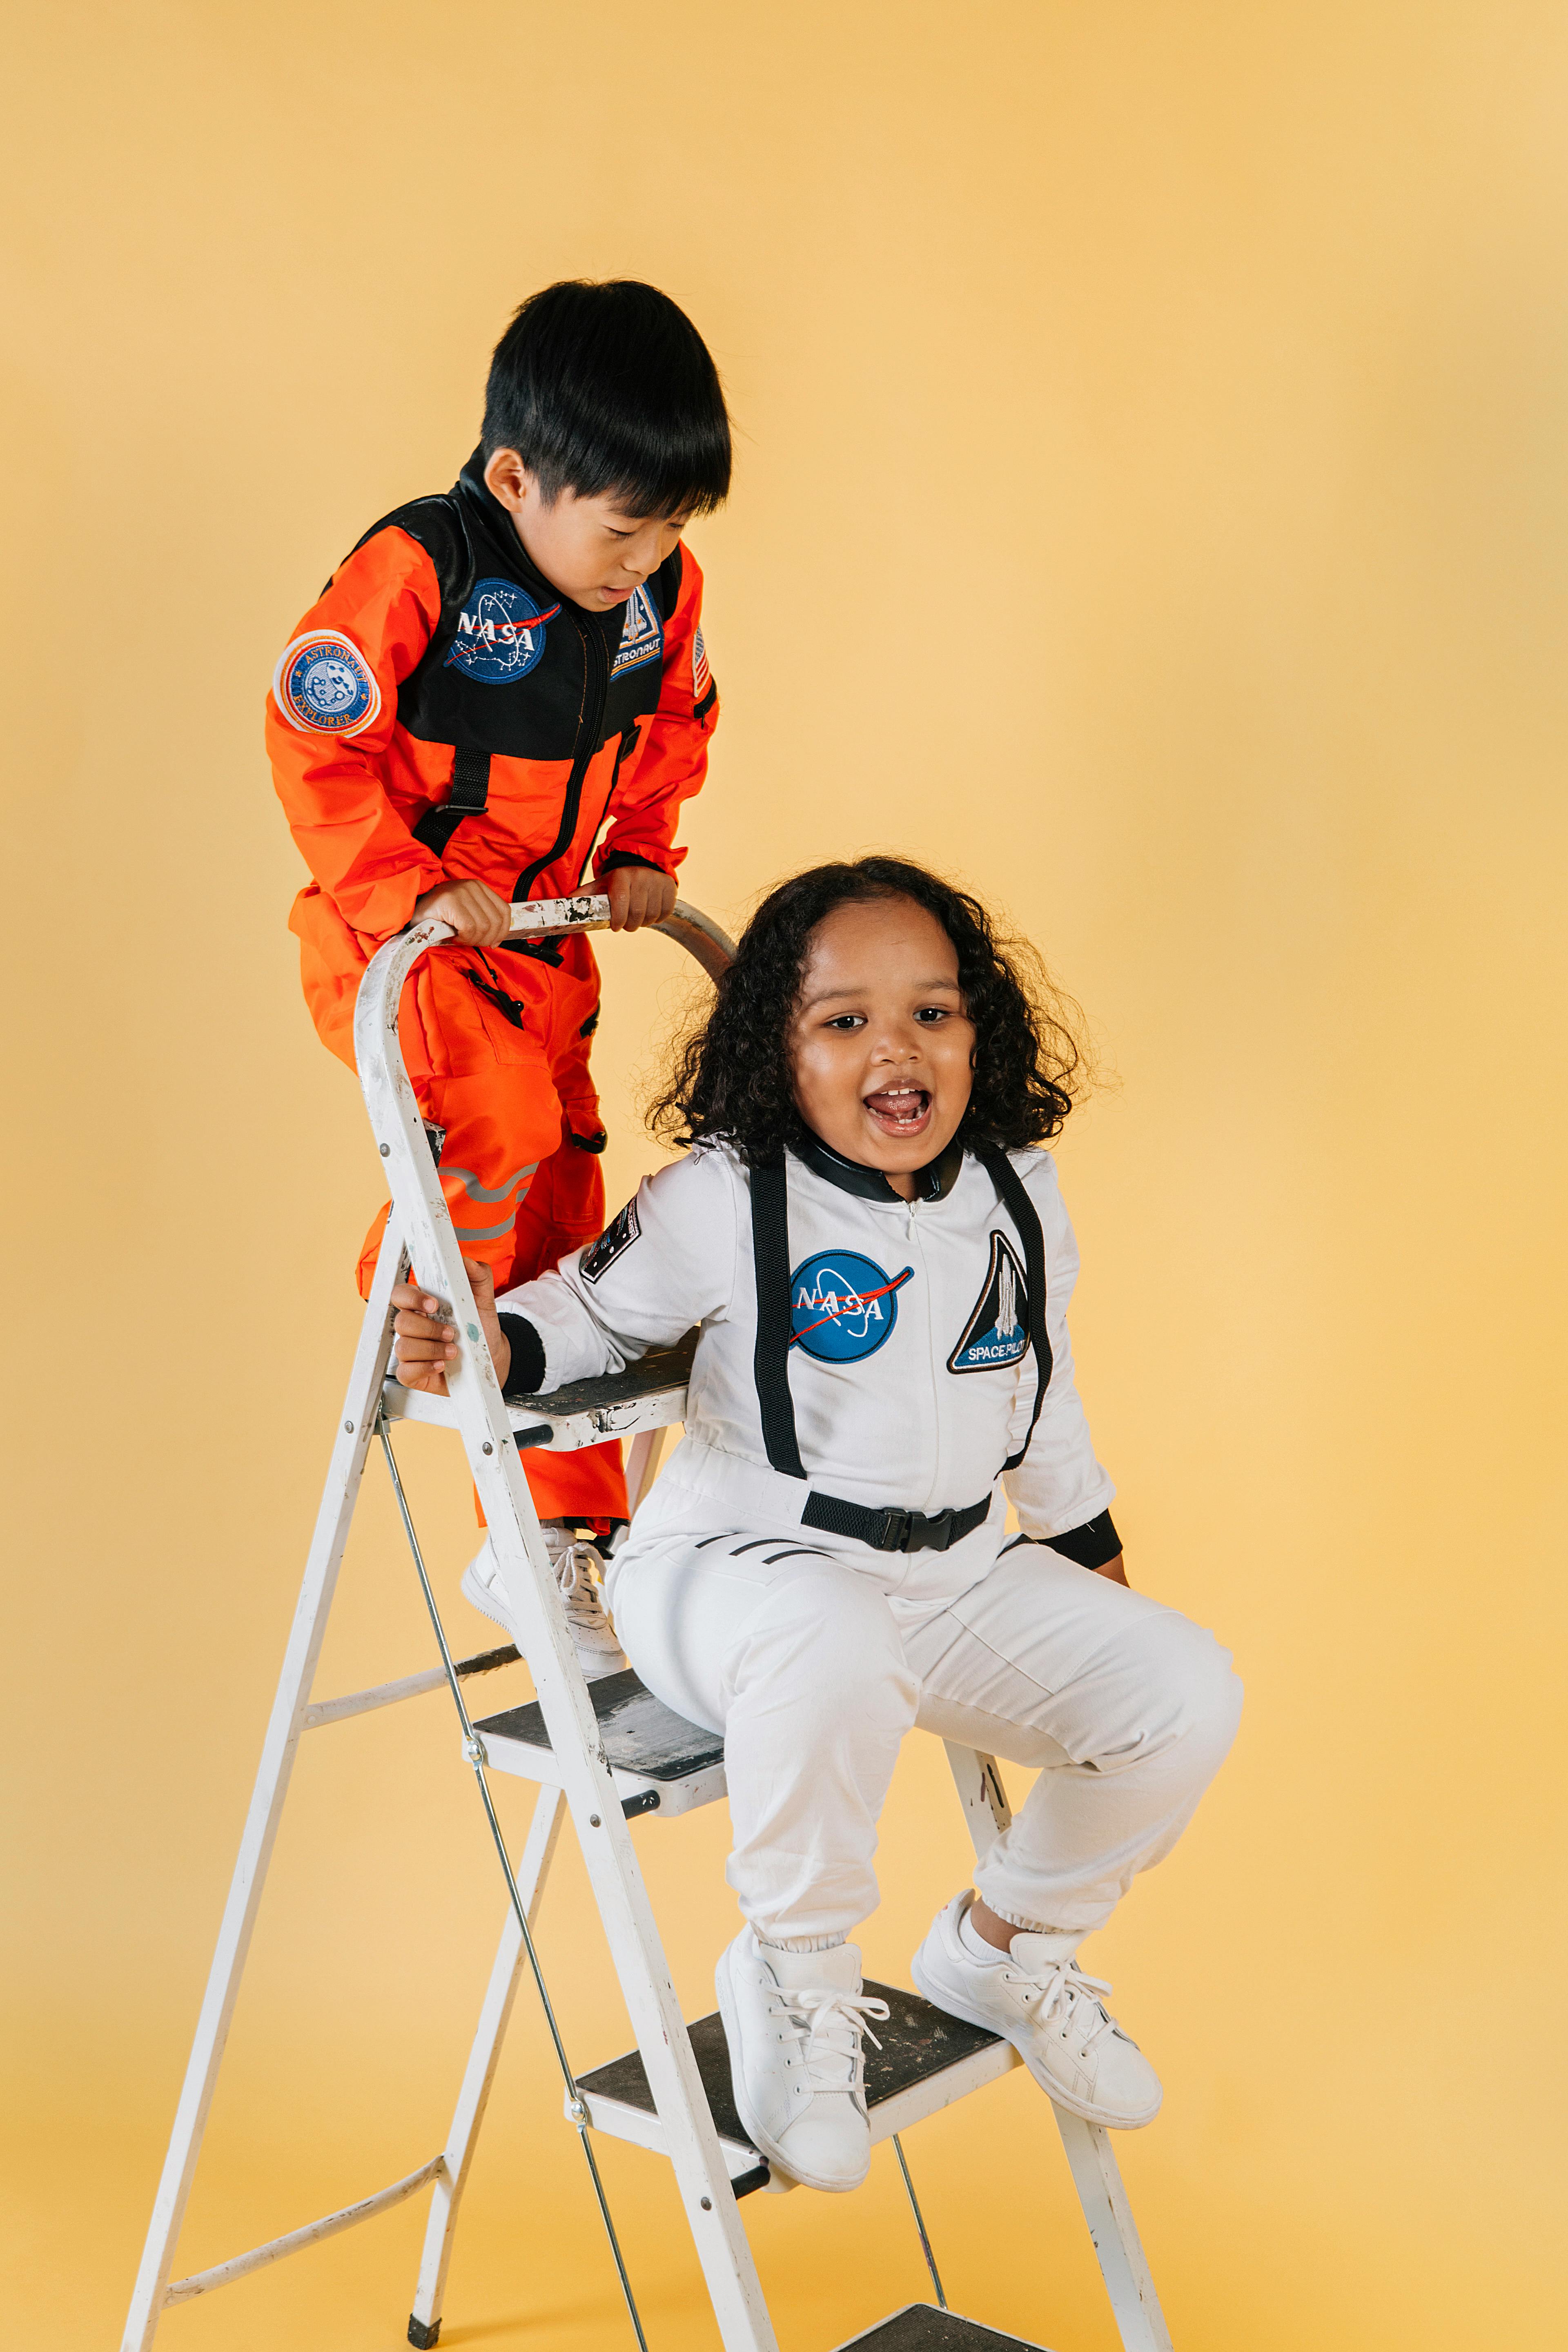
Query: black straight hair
[(611, 388), (731, 1076)]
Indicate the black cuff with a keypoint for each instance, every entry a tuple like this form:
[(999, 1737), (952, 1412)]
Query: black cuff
[(526, 1375), (1091, 1546), (629, 857)]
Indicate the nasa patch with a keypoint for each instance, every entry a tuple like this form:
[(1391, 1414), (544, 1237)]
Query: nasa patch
[(642, 633), (501, 634), (997, 1331), (842, 1306), (324, 685), (617, 1237)]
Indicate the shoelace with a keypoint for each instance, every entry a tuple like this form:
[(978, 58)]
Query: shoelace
[(1062, 1988), (822, 2011), (574, 1575)]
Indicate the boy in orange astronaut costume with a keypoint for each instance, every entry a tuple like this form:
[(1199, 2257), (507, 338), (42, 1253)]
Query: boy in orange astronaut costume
[(492, 679)]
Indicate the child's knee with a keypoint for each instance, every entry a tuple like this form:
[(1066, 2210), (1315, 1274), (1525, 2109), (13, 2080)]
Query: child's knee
[(1182, 1698), (1196, 1692)]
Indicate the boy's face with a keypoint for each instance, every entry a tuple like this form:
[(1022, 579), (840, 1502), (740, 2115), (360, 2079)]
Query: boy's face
[(587, 548), (881, 1048)]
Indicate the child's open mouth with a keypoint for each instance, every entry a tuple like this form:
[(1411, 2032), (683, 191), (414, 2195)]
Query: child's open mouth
[(899, 1111)]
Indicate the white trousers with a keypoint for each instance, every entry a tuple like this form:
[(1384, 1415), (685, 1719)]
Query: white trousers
[(813, 1672)]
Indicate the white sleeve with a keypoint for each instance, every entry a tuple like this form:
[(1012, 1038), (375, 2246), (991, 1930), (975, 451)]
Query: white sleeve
[(1059, 1485), (664, 1264)]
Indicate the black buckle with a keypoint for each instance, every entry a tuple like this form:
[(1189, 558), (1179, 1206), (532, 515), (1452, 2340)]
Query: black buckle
[(894, 1533), (936, 1533)]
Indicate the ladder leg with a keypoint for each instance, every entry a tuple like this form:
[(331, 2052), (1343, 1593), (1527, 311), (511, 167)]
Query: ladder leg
[(1095, 2174), (355, 1430), (570, 1723), (1098, 2179), (425, 2320), (678, 2097)]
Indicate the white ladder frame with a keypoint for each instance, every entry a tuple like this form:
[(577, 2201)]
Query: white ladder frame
[(419, 1231)]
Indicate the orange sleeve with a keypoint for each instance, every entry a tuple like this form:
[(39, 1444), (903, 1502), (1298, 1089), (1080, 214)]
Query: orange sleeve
[(674, 759), (330, 722)]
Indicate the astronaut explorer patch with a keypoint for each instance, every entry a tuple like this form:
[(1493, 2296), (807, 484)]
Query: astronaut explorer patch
[(501, 634), (842, 1306), (997, 1332), (642, 633), (324, 684), (617, 1236)]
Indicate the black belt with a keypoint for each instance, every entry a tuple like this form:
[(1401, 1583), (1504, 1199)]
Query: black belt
[(893, 1530)]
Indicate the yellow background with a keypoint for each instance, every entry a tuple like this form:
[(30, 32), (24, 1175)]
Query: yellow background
[(1151, 507)]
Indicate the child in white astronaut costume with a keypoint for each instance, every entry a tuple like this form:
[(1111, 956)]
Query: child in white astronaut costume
[(880, 1264)]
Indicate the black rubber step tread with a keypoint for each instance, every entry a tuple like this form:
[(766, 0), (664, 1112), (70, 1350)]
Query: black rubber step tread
[(921, 2327), (918, 2041), (641, 1734), (661, 1367)]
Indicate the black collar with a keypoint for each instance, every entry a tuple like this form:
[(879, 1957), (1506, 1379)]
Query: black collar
[(933, 1182)]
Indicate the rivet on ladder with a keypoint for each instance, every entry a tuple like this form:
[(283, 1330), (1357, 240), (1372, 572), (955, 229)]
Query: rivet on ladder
[(592, 1821), (487, 1447), (350, 1427), (708, 2204), (386, 1151)]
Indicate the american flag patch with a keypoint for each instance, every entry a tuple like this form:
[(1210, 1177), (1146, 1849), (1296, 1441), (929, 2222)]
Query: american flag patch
[(700, 678)]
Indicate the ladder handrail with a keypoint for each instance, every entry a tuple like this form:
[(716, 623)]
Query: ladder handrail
[(590, 911)]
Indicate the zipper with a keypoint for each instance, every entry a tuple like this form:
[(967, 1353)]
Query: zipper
[(935, 1451), (596, 664), (628, 745)]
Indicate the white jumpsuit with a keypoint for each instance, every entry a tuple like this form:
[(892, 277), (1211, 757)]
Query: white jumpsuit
[(912, 1379)]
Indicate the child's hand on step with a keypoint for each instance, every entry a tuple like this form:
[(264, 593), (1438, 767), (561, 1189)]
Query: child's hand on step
[(479, 918), (425, 1339)]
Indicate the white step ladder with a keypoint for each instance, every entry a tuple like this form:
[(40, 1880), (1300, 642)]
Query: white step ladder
[(604, 1753)]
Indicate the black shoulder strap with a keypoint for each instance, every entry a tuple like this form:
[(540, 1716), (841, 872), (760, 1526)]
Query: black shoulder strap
[(471, 791), (770, 1363), (1021, 1211)]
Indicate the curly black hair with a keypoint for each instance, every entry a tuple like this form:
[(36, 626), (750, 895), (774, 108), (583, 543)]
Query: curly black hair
[(731, 1076)]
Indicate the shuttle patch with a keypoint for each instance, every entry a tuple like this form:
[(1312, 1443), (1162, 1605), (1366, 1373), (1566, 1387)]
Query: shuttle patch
[(997, 1331)]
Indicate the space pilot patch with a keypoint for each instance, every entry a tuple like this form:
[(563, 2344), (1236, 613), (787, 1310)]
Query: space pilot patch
[(323, 685), (616, 1238), (500, 633), (642, 633), (997, 1331), (842, 1306)]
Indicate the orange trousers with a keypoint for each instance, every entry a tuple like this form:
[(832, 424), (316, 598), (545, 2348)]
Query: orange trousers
[(497, 1049)]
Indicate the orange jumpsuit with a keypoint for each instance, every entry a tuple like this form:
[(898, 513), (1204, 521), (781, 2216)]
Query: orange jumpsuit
[(441, 712)]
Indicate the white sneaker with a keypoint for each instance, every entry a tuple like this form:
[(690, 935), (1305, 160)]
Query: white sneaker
[(576, 1563), (1038, 1999), (793, 2021)]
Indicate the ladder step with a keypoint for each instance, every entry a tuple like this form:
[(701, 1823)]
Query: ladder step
[(921, 2327), (653, 1751), (649, 1394), (926, 2061), (660, 1370)]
